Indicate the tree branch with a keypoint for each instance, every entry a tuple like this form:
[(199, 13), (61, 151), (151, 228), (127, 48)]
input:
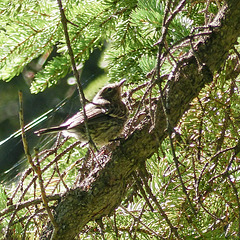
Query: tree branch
[(75, 71), (104, 190)]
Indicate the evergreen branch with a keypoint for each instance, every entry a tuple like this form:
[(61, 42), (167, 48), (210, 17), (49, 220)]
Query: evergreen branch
[(19, 206), (133, 51), (25, 24), (75, 71), (225, 173), (39, 13), (136, 218), (139, 185), (61, 177), (36, 167), (167, 20), (27, 43), (137, 222), (98, 191), (21, 44), (38, 170), (34, 178), (24, 176), (50, 179), (114, 15), (235, 190), (26, 10), (83, 50), (208, 212), (36, 214), (17, 47), (179, 173), (163, 214), (86, 48), (164, 102), (74, 24), (175, 12), (89, 22), (65, 172), (187, 81), (56, 68), (139, 230), (15, 208)]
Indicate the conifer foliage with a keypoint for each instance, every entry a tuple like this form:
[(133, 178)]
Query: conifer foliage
[(175, 174)]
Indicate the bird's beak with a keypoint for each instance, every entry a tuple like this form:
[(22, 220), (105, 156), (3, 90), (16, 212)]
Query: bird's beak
[(122, 82)]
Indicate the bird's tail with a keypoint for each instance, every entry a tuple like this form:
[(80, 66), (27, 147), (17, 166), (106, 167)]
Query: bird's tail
[(50, 130)]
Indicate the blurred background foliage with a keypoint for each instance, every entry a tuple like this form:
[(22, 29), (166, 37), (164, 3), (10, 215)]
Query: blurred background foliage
[(112, 40), (62, 101)]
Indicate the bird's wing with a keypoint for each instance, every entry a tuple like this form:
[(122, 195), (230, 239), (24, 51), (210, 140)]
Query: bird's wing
[(94, 113)]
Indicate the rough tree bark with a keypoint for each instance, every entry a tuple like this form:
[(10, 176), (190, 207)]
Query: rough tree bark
[(104, 189)]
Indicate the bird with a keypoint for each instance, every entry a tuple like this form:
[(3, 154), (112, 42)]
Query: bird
[(106, 117)]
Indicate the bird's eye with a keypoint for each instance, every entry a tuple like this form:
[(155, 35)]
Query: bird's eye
[(109, 89)]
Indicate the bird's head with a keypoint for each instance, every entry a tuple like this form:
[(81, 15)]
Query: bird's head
[(111, 92)]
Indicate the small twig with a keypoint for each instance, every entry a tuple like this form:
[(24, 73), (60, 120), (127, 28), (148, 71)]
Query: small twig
[(59, 156), (14, 209), (205, 11), (50, 178), (28, 171), (176, 11), (160, 43), (164, 215), (74, 24), (225, 172), (61, 177), (129, 94), (24, 176), (36, 167), (115, 225), (101, 225), (167, 21), (236, 52), (137, 221), (75, 71), (147, 91), (179, 173), (149, 229), (43, 192), (36, 214), (235, 190), (24, 139), (18, 206), (164, 101), (208, 212), (139, 184)]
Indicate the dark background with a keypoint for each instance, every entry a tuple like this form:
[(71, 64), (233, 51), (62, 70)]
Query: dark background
[(62, 98)]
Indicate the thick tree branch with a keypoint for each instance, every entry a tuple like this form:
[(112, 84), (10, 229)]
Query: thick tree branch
[(103, 190)]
